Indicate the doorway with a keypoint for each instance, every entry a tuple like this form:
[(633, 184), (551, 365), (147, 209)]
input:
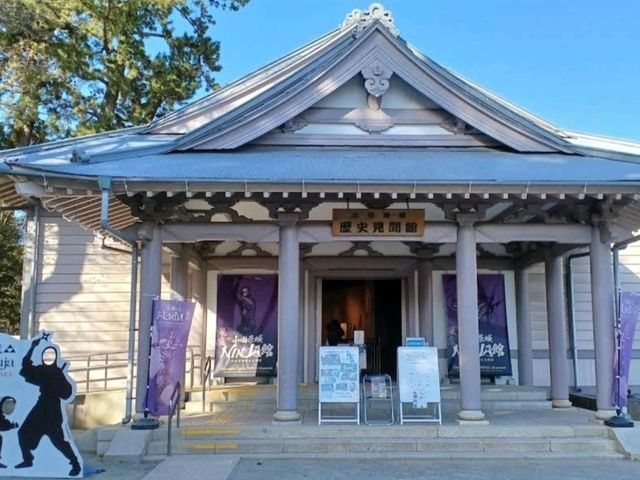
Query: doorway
[(374, 306)]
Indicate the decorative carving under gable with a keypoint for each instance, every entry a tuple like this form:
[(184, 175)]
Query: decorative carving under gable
[(376, 78), (158, 208), (361, 19), (458, 126), (247, 246), (306, 248), (423, 250), (277, 203), (221, 204), (453, 208), (360, 247), (208, 248), (293, 125), (373, 126)]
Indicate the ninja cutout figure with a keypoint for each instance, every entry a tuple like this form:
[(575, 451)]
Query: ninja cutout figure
[(7, 406), (46, 418)]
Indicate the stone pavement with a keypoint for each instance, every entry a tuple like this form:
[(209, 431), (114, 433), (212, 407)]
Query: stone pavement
[(472, 469), (113, 469), (235, 468), (570, 416)]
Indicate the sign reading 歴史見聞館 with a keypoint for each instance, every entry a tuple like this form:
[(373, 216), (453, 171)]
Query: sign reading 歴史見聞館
[(378, 222)]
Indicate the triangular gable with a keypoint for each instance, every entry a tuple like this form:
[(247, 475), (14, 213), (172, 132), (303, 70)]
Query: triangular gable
[(378, 57), (399, 116)]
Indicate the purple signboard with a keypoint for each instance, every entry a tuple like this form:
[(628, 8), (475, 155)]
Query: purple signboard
[(247, 326), (171, 325), (493, 342), (629, 309)]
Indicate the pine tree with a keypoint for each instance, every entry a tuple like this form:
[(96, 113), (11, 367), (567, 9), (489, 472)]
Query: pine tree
[(73, 67), (10, 271)]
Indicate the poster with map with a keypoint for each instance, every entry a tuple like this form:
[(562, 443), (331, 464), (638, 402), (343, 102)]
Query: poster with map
[(339, 380)]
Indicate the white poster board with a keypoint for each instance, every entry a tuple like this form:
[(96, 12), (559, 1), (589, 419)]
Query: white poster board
[(339, 378), (418, 376)]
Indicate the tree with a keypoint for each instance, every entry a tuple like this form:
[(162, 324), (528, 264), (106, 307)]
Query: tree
[(10, 272), (72, 67)]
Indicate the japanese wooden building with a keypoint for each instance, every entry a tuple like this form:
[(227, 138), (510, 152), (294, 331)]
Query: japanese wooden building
[(266, 175)]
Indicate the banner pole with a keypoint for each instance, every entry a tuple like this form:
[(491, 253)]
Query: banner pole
[(146, 423), (621, 419)]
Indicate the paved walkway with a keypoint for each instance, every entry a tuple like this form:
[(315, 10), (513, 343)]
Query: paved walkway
[(233, 468)]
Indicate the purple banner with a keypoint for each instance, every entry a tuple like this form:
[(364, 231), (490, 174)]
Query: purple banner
[(247, 326), (495, 358), (171, 325), (629, 308)]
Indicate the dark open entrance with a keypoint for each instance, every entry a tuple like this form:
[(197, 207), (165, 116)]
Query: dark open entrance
[(374, 306)]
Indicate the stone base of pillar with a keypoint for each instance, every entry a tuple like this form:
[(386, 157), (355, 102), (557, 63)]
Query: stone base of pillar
[(471, 417), (555, 403), (286, 416), (602, 415)]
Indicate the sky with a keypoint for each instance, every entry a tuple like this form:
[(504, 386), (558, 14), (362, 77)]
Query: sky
[(575, 63)]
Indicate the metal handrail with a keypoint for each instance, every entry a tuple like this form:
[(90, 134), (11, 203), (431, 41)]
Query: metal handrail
[(173, 405), (195, 352), (105, 364), (206, 375)]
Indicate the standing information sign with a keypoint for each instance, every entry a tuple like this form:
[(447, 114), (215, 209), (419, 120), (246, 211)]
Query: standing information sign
[(339, 382), (419, 383)]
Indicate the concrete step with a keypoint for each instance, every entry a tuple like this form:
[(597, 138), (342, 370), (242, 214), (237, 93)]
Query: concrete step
[(437, 441), (444, 447), (309, 393), (209, 432)]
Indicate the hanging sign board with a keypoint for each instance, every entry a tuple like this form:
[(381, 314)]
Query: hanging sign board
[(35, 389), (493, 348), (247, 326), (418, 376), (339, 375), (415, 342), (171, 325), (378, 222)]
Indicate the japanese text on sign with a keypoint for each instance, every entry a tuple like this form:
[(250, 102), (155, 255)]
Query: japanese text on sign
[(378, 223)]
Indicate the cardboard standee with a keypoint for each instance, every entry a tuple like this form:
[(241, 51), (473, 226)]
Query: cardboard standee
[(419, 384), (339, 382), (35, 388)]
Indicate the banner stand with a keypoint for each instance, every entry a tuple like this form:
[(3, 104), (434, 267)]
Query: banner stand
[(419, 384), (435, 417), (339, 382), (147, 422)]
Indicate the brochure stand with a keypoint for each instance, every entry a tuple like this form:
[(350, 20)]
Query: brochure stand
[(419, 384), (339, 382), (376, 389)]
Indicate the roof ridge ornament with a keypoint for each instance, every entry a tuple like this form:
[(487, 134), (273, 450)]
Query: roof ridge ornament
[(361, 19)]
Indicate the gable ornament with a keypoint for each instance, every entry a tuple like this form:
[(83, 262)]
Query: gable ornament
[(361, 19), (376, 82)]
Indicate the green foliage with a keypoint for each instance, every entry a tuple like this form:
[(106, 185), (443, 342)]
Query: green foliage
[(10, 272), (72, 67)]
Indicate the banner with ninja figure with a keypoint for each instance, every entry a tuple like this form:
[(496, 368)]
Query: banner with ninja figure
[(493, 341), (35, 388), (171, 325), (247, 326), (629, 303)]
